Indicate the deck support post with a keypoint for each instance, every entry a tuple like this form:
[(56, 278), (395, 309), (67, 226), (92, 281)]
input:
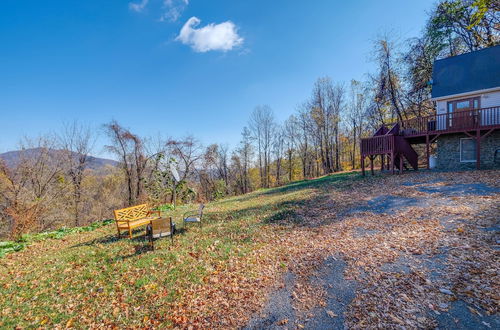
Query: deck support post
[(363, 165), (371, 165), (392, 162), (400, 164), (427, 151), (478, 149), (382, 162)]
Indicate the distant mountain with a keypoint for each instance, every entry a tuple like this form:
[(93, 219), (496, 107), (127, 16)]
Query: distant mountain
[(12, 158)]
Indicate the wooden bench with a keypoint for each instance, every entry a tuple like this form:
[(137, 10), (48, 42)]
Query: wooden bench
[(133, 217)]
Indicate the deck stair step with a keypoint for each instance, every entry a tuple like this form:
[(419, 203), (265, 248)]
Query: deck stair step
[(389, 142)]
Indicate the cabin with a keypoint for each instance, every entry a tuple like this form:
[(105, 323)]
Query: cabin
[(465, 127)]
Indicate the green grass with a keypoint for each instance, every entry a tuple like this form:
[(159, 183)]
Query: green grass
[(27, 239), (84, 278)]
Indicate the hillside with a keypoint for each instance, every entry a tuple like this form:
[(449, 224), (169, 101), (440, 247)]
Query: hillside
[(341, 250), (12, 158)]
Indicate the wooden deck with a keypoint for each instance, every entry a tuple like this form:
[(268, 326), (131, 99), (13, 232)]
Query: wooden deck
[(448, 123), (395, 140)]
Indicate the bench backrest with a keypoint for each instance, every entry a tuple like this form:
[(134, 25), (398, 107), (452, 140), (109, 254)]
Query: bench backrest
[(132, 213)]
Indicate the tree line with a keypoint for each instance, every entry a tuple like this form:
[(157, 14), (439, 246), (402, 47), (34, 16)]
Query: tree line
[(52, 184)]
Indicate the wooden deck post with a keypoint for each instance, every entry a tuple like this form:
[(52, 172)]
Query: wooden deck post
[(371, 164), (427, 151), (392, 162), (400, 164), (363, 165), (382, 162), (478, 149)]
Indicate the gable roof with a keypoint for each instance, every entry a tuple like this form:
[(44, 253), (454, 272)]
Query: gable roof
[(467, 72)]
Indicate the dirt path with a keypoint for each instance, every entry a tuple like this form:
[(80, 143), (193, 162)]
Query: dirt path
[(422, 251)]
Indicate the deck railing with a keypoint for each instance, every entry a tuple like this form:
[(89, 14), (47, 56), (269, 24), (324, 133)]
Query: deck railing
[(380, 144), (452, 122), (484, 118)]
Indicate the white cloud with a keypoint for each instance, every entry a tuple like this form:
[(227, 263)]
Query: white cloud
[(173, 9), (223, 36), (138, 7)]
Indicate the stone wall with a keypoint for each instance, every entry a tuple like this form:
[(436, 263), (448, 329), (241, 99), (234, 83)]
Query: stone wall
[(448, 152)]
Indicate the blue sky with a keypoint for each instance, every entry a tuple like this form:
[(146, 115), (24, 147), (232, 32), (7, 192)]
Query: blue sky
[(95, 60)]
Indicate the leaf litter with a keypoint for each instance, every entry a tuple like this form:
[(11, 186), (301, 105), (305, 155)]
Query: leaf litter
[(234, 280)]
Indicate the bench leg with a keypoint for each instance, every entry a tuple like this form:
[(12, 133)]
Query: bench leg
[(149, 233), (129, 232)]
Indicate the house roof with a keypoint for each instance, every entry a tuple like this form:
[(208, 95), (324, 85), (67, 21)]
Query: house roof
[(468, 72)]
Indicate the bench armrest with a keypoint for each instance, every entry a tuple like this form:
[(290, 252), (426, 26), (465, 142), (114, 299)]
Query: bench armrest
[(190, 214), (155, 212)]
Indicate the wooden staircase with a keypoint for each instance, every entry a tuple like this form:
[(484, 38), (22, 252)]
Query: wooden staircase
[(390, 143)]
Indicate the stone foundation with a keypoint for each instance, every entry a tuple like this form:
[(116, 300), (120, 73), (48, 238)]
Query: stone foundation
[(448, 152)]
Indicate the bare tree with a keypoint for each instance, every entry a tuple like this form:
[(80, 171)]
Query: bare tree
[(278, 150), (222, 153), (262, 126), (121, 147), (245, 152), (130, 149), (214, 170), (303, 127), (337, 103), (290, 137), (356, 116), (32, 189), (326, 103), (389, 81), (187, 152), (77, 142)]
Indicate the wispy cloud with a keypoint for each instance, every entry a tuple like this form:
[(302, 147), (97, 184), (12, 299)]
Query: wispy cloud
[(173, 9), (222, 37), (138, 7)]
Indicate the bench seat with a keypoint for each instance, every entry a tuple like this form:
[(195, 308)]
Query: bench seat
[(135, 223), (132, 217)]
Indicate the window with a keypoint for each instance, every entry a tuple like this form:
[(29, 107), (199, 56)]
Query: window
[(467, 150), (463, 104)]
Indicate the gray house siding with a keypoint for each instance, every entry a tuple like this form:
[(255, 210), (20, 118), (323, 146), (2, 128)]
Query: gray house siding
[(448, 152)]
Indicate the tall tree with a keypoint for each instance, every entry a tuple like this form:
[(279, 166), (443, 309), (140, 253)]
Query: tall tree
[(262, 127), (290, 137), (77, 141), (278, 149), (130, 150), (326, 103), (389, 80), (245, 153), (303, 127), (460, 26), (356, 117), (187, 152)]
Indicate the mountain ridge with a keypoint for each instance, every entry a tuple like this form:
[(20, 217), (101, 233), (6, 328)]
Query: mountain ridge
[(13, 157)]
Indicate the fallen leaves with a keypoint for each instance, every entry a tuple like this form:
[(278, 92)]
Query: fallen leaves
[(331, 314), (219, 276)]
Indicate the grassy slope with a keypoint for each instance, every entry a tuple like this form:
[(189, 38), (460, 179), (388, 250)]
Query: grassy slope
[(94, 279)]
